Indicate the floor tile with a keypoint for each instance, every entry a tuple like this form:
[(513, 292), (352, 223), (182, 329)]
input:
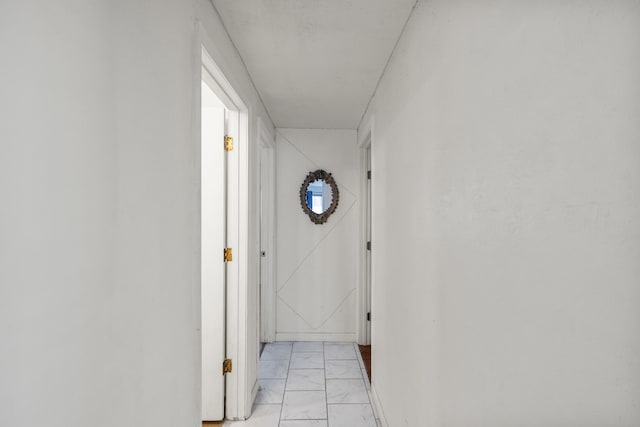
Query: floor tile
[(307, 361), (305, 379), (351, 416), (271, 391), (346, 391), (270, 369), (276, 352), (340, 351), (297, 380), (304, 405), (303, 423), (343, 369), (261, 416), (304, 346)]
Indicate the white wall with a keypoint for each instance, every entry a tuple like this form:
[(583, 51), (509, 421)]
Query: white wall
[(506, 176), (316, 264), (57, 214), (99, 302)]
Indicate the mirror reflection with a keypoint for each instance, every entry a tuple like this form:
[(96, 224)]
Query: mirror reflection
[(319, 196)]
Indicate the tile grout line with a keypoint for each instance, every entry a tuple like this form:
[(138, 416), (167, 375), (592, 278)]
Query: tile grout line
[(361, 379), (326, 394), (284, 392)]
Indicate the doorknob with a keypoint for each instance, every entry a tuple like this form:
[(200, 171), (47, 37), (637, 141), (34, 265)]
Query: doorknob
[(263, 254)]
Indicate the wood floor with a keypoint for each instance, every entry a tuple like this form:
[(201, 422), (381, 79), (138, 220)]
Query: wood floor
[(365, 351)]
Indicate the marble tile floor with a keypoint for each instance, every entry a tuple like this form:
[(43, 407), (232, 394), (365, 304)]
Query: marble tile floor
[(311, 384)]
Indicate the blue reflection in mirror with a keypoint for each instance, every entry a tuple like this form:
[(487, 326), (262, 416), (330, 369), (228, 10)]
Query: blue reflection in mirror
[(319, 196)]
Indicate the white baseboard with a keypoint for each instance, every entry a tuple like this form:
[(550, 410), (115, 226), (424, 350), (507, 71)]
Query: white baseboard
[(305, 336), (377, 407), (254, 393)]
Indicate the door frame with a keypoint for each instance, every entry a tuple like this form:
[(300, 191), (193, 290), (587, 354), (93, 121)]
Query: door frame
[(238, 395), (365, 278), (213, 214), (267, 142)]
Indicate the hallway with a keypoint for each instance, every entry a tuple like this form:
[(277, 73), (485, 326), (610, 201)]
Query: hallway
[(311, 384), (484, 230)]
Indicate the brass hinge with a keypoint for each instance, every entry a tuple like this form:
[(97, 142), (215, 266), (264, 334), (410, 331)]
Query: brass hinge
[(368, 174), (228, 143), (227, 366), (228, 254)]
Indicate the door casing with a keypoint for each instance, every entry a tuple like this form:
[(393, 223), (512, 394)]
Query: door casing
[(365, 279), (213, 231), (239, 394)]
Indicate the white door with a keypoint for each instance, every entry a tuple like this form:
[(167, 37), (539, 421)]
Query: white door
[(213, 241), (368, 253), (267, 247), (264, 242)]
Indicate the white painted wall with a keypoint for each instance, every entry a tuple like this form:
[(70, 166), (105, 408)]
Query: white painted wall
[(316, 264), (58, 214), (506, 216), (99, 296)]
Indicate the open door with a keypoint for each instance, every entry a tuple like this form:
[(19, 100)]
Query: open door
[(266, 143), (213, 174), (366, 257), (367, 220), (228, 331), (366, 349)]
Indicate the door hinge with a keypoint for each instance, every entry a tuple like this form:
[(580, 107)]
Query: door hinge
[(368, 174), (227, 366), (228, 143), (369, 316), (228, 254), (368, 246)]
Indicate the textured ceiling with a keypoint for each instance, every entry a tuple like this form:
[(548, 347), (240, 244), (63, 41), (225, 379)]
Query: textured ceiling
[(315, 63)]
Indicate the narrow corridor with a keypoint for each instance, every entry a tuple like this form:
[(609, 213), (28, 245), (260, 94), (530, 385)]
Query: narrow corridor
[(311, 384)]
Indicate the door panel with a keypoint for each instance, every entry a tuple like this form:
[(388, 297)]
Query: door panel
[(213, 238), (368, 253), (267, 332)]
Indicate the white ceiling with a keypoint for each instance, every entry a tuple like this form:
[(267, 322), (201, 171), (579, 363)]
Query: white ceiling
[(315, 63)]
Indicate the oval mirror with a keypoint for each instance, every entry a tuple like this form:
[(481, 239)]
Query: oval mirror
[(319, 196)]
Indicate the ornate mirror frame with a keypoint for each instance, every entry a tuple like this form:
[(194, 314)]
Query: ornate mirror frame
[(326, 177)]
